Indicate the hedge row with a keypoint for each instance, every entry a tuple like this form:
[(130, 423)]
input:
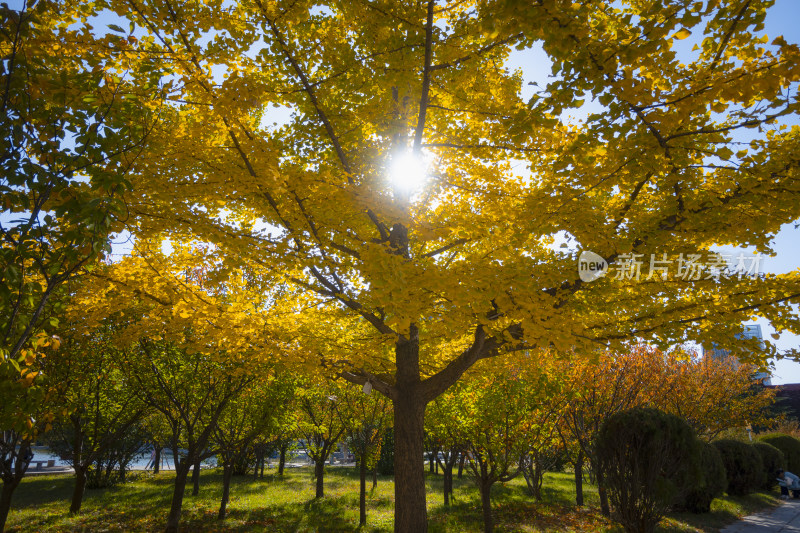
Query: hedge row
[(652, 461)]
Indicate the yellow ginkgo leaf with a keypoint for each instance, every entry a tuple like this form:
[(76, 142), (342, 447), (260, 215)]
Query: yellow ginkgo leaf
[(682, 34)]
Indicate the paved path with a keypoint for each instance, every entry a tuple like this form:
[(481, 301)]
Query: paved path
[(784, 518)]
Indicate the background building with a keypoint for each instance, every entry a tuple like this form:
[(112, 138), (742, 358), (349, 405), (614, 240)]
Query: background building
[(751, 331)]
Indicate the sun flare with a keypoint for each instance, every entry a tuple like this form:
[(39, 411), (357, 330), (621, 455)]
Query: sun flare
[(408, 171)]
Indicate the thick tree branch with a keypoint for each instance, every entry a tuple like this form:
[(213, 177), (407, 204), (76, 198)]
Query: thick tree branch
[(482, 347), (446, 247), (426, 79), (360, 377)]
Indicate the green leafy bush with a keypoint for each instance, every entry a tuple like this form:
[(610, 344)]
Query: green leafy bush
[(743, 466), (712, 482), (772, 459), (790, 447), (648, 462), (385, 464)]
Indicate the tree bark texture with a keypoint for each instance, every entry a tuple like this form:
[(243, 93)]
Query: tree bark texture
[(77, 492), (282, 460), (486, 504), (362, 490), (319, 474), (410, 512), (227, 473), (196, 478), (157, 459), (579, 480), (174, 517), (5, 502)]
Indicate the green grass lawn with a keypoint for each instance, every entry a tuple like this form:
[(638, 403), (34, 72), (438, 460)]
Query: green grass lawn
[(272, 504)]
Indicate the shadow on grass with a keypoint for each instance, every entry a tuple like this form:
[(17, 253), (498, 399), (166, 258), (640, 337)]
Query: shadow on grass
[(274, 504)]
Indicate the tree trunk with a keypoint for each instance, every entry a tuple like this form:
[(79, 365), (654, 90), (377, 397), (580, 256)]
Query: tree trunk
[(486, 503), (579, 480), (362, 492), (601, 491), (409, 454), (227, 472), (448, 482), (196, 478), (181, 473), (157, 460), (461, 465), (77, 464), (447, 465), (431, 462), (319, 473), (77, 492), (538, 477), (263, 460), (5, 501), (259, 462), (176, 460), (282, 460)]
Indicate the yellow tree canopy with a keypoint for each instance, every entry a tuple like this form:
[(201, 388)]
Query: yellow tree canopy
[(652, 172)]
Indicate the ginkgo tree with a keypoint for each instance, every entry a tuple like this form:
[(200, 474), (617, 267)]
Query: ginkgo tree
[(452, 259), (499, 412), (366, 417), (74, 115), (190, 346), (96, 406)]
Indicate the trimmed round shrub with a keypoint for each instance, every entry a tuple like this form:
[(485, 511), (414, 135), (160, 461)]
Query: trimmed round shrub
[(790, 447), (772, 459), (711, 484), (743, 466), (648, 462)]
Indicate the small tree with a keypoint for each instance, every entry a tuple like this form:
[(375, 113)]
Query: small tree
[(535, 463), (441, 425), (646, 457), (192, 391), (606, 384), (366, 418), (99, 407), (248, 414), (321, 425), (493, 411)]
